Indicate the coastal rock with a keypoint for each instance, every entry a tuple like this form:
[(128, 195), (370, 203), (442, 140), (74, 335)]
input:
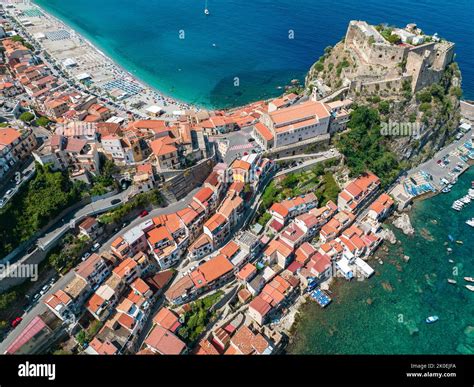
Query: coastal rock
[(403, 223), (389, 236)]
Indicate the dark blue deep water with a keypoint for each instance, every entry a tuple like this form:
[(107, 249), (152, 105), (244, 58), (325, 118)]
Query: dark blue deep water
[(250, 37)]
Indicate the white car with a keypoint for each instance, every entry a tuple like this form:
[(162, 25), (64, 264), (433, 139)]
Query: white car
[(85, 256), (95, 247), (9, 192)]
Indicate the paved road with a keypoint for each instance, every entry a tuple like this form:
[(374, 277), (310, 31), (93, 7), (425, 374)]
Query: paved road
[(431, 166), (330, 154), (73, 219), (39, 308), (24, 175)]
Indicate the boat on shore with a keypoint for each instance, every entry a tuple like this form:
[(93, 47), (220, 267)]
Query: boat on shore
[(431, 319), (469, 279)]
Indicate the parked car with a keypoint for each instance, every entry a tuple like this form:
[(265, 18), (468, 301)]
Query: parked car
[(16, 321), (95, 247), (251, 139), (2, 202), (9, 192), (85, 256), (36, 297), (143, 213), (115, 201)]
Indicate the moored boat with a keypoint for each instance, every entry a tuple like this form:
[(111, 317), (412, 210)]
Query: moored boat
[(459, 242), (431, 319), (469, 279), (470, 287), (451, 281), (470, 222)]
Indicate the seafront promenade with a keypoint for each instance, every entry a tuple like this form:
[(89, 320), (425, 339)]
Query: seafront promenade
[(82, 62)]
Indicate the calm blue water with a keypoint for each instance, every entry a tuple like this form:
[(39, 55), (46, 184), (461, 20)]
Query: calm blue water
[(251, 39)]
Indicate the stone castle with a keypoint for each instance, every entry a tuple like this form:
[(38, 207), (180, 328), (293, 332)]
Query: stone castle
[(384, 67)]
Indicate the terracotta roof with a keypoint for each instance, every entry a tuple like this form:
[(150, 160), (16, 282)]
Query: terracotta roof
[(241, 164), (86, 268), (215, 221), (246, 342), (8, 136), (164, 341), (246, 271), (204, 194), (160, 147), (279, 209), (158, 234), (213, 269), (103, 348), (140, 286), (260, 306), (264, 131), (230, 249), (88, 223), (167, 319)]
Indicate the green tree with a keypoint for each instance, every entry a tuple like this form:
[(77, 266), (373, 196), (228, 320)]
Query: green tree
[(42, 121), (27, 117)]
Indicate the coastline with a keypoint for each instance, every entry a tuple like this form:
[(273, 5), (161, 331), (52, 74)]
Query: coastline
[(107, 58), (386, 283)]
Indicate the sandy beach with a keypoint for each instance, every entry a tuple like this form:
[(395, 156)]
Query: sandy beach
[(83, 62)]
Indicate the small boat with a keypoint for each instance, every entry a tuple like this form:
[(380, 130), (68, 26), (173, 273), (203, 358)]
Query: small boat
[(450, 237), (469, 279), (470, 222), (451, 281), (206, 10), (449, 249), (445, 190), (459, 242), (470, 287), (450, 261), (431, 319)]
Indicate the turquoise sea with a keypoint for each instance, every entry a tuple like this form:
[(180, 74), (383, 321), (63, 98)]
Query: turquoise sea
[(251, 39), (385, 314)]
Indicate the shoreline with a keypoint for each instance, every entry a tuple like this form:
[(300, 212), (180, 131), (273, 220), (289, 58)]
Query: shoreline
[(108, 58), (382, 253)]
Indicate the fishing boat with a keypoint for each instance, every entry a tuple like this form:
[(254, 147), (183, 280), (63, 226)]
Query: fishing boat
[(459, 242), (451, 281), (431, 319), (470, 222), (470, 287), (469, 279)]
